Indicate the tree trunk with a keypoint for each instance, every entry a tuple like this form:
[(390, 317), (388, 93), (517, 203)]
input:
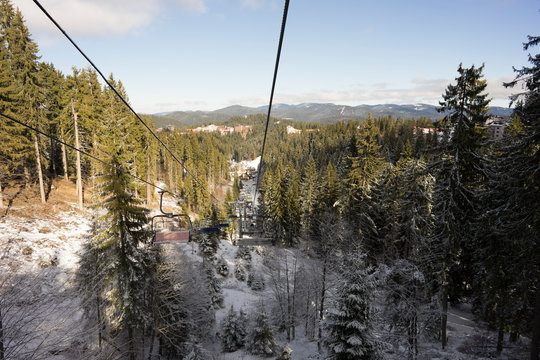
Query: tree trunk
[(306, 324), (321, 308), (1, 337), (77, 145), (39, 170), (26, 177), (52, 163), (148, 187), (94, 147), (64, 158), (1, 196), (171, 176), (444, 316), (288, 320), (98, 308), (536, 325), (131, 344), (500, 340), (293, 322), (416, 336), (152, 341)]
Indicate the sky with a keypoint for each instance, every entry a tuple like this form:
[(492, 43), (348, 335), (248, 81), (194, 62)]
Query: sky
[(208, 54)]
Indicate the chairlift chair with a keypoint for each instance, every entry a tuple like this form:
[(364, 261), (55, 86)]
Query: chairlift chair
[(209, 227), (173, 228)]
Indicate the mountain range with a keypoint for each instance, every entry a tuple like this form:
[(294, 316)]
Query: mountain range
[(308, 112)]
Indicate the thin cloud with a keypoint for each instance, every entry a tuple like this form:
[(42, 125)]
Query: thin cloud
[(428, 91), (99, 17), (196, 6), (254, 4), (258, 4), (90, 17)]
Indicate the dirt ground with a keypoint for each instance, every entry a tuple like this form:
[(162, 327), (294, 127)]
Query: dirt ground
[(20, 200)]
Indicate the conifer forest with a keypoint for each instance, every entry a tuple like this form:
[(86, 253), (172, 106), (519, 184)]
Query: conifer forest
[(379, 237)]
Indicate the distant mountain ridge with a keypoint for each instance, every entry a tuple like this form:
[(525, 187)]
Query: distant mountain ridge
[(308, 112)]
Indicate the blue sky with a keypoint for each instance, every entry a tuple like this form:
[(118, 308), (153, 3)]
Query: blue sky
[(209, 54)]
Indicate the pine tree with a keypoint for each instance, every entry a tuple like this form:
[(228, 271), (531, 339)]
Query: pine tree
[(52, 82), (213, 285), (460, 173), (12, 136), (309, 191), (291, 211), (233, 331), (20, 96), (415, 211), (74, 104), (364, 169), (172, 322), (350, 325), (405, 300), (90, 282), (261, 339), (124, 247), (282, 204), (331, 187), (382, 245), (25, 69), (514, 199)]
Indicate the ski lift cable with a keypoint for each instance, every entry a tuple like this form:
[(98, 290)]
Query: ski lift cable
[(285, 11), (84, 153), (120, 96)]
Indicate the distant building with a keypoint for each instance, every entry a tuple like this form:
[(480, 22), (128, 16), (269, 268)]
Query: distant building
[(243, 129), (291, 130), (495, 127), (223, 130), (425, 131)]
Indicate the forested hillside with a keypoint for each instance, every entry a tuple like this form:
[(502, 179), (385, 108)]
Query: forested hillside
[(318, 113), (376, 227)]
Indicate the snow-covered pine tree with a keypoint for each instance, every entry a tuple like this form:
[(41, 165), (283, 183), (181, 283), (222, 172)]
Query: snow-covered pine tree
[(460, 173), (222, 268), (261, 339), (126, 254), (196, 352), (365, 165), (514, 199), (282, 204), (415, 212), (335, 236), (172, 323), (239, 270), (350, 325), (213, 285), (207, 247), (405, 299), (382, 246), (89, 282), (309, 191), (233, 331)]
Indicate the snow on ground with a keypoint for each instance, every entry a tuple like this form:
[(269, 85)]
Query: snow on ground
[(38, 259), (54, 241), (244, 165), (39, 252)]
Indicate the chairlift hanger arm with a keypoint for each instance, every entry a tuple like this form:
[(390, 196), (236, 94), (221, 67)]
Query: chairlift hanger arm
[(161, 205)]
